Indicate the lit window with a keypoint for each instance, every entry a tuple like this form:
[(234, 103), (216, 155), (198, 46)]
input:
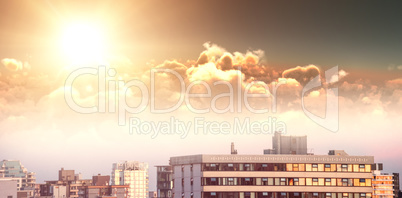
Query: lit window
[(230, 165), (327, 179), (315, 165), (344, 166), (265, 194), (328, 194), (361, 166), (315, 194)]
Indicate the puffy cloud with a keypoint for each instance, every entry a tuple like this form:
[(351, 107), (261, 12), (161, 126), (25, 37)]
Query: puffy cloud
[(302, 74), (13, 64)]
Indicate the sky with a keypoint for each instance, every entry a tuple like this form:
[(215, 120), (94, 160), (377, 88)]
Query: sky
[(132, 71)]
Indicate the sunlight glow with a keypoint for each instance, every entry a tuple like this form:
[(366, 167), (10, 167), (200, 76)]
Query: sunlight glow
[(84, 43)]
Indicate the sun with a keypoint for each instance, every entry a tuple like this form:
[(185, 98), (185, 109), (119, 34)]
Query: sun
[(84, 43)]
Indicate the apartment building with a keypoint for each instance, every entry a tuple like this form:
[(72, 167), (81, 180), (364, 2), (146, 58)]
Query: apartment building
[(164, 178), (383, 185), (336, 175), (13, 169), (108, 191), (134, 174)]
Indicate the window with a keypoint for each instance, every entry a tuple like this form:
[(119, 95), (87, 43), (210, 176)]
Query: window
[(314, 167), (231, 181), (328, 181), (295, 167), (296, 194), (344, 182), (315, 194), (362, 180), (265, 181), (265, 194), (213, 194), (283, 194), (328, 194), (247, 181), (283, 182), (315, 181), (296, 181), (327, 167), (362, 166), (362, 194), (265, 165)]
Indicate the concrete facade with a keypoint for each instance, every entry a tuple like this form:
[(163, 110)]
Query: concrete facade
[(8, 188)]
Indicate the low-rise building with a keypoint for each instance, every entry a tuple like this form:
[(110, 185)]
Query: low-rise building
[(8, 188)]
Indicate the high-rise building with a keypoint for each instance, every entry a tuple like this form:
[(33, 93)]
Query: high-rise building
[(14, 169), (396, 185), (134, 174), (383, 185), (288, 145), (336, 175), (164, 179)]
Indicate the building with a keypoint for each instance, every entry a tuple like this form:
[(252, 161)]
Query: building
[(14, 169), (73, 183), (134, 174), (396, 185), (272, 176), (164, 179), (383, 185), (288, 145), (153, 194), (111, 191), (66, 175), (100, 180), (8, 188)]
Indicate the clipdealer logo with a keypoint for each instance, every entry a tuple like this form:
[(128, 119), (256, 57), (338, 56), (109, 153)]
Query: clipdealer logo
[(118, 91)]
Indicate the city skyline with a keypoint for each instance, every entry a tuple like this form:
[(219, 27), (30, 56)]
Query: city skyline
[(94, 83)]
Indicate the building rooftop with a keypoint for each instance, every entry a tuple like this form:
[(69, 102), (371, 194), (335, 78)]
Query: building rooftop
[(342, 159)]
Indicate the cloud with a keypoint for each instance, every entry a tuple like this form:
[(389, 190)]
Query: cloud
[(302, 74), (13, 64)]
